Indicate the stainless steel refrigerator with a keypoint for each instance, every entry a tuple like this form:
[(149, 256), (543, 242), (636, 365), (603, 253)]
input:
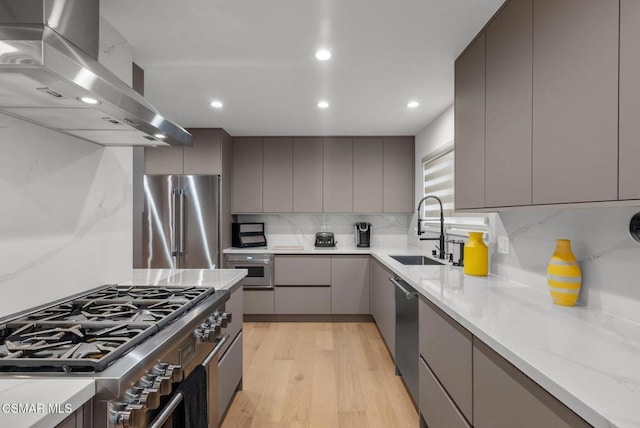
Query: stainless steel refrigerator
[(181, 221)]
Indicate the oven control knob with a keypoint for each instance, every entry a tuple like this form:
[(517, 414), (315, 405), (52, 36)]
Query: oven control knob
[(164, 387), (159, 369), (133, 416), (153, 398), (132, 395), (199, 334), (176, 372)]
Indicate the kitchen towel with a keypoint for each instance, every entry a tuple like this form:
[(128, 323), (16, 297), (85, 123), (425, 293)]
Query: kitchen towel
[(193, 412)]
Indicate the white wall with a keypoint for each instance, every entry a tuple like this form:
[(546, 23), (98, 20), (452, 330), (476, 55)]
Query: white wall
[(65, 215)]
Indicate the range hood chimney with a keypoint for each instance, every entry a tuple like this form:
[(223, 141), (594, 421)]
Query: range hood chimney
[(49, 72)]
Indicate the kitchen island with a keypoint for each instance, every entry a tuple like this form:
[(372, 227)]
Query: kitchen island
[(586, 359), (41, 400)]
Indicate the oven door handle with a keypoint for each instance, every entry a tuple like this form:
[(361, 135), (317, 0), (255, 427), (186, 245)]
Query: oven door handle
[(253, 262), (215, 351), (167, 411)]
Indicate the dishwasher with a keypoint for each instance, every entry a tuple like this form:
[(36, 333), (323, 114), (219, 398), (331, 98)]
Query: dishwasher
[(407, 335)]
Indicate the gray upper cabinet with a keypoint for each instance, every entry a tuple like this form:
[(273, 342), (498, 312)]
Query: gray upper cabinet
[(470, 126), (337, 180), (367, 174), (575, 101), (163, 160), (247, 175), (508, 106), (629, 184), (307, 174), (277, 177), (398, 175)]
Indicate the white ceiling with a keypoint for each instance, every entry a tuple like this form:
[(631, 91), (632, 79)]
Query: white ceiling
[(257, 57)]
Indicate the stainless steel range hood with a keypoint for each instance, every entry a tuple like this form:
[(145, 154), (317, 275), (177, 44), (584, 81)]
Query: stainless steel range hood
[(48, 65)]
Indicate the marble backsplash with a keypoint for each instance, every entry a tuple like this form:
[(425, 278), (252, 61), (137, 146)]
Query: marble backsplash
[(388, 230), (65, 219), (608, 257)]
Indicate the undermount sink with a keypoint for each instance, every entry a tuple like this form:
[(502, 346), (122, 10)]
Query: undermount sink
[(415, 260)]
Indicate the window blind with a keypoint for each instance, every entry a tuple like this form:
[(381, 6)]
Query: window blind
[(438, 176)]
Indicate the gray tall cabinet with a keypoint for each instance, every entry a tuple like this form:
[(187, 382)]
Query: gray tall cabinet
[(277, 174)]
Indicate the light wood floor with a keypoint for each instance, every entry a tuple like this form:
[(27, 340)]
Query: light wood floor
[(318, 375)]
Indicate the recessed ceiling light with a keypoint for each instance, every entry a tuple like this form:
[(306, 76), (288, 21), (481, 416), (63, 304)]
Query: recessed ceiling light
[(216, 104), (160, 136), (323, 104), (323, 55), (89, 100), (413, 104)]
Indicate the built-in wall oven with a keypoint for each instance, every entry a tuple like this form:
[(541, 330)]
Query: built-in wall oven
[(259, 268)]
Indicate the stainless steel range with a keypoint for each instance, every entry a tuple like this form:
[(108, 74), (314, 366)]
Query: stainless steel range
[(138, 342)]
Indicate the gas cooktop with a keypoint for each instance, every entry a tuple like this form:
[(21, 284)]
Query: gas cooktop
[(89, 332)]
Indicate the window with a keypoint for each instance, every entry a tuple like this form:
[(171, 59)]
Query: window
[(438, 179)]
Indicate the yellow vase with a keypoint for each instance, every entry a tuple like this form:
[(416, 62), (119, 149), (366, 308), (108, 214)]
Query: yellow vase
[(563, 275), (476, 255)]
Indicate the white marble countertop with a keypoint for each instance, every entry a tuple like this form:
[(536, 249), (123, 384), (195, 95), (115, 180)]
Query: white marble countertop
[(36, 394), (587, 359), (283, 249), (41, 403)]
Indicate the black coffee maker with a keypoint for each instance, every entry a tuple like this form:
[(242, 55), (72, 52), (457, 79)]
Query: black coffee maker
[(363, 235)]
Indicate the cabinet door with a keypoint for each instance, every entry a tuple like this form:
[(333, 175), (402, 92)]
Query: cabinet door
[(247, 175), (163, 160), (367, 174), (503, 397), (337, 179), (575, 100), (277, 176), (229, 377), (205, 156), (629, 99), (436, 407), (398, 175), (509, 58), (259, 302), (470, 126), (303, 300), (307, 175), (383, 304), (302, 270), (447, 348), (350, 285)]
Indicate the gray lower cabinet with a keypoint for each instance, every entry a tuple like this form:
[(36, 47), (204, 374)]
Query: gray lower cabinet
[(503, 397), (229, 375), (234, 306), (300, 270), (259, 302), (306, 300), (382, 304), (447, 348), (350, 285), (437, 410)]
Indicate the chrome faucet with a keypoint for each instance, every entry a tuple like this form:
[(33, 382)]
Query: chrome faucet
[(441, 238)]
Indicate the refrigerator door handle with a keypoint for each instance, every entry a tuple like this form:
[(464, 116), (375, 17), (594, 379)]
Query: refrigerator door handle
[(181, 250), (174, 223)]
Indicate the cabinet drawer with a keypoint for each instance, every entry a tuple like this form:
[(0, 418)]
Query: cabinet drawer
[(229, 375), (303, 270), (504, 397), (258, 301), (234, 306), (303, 300), (447, 348), (436, 406)]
